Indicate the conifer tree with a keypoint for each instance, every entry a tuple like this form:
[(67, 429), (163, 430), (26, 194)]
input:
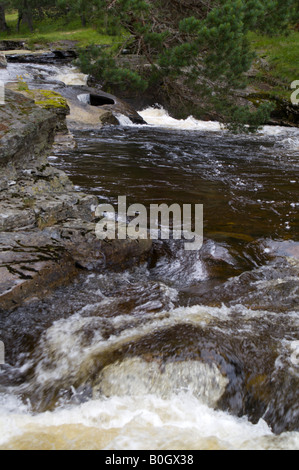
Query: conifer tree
[(190, 44)]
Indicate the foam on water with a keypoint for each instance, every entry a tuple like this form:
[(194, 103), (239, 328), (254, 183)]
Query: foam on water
[(159, 117), (64, 343), (71, 76), (133, 423), (125, 121)]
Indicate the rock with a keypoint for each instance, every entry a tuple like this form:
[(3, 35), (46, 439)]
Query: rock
[(7, 45), (108, 118), (91, 107), (49, 100), (26, 132), (3, 61), (31, 266), (90, 253), (41, 57), (47, 228), (34, 262), (83, 116), (64, 141)]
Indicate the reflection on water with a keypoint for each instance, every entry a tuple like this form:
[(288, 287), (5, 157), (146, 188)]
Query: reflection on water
[(193, 350)]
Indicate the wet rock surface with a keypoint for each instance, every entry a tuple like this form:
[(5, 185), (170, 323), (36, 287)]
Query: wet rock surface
[(47, 228), (91, 107)]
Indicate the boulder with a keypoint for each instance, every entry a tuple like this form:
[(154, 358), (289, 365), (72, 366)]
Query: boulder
[(26, 132), (91, 107), (49, 100)]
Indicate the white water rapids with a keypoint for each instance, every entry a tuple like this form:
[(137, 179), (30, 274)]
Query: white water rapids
[(180, 422), (136, 404)]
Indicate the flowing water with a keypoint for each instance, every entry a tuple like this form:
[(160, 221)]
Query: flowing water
[(192, 350)]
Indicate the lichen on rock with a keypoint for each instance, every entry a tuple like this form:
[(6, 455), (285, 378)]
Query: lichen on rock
[(46, 99)]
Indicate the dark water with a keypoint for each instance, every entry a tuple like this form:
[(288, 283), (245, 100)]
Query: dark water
[(244, 183), (221, 322)]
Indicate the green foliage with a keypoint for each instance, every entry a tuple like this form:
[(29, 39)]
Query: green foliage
[(200, 46), (101, 64), (242, 119), (277, 16), (208, 50), (22, 85)]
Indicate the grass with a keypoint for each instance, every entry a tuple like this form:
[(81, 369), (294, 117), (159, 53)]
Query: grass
[(58, 30), (281, 54)]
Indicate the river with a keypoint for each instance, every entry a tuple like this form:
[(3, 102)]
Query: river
[(192, 350)]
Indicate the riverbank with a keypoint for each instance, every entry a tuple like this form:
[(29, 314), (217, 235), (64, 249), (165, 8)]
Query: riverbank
[(47, 228)]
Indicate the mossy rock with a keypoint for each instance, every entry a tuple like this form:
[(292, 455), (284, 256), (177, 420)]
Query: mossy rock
[(53, 102), (46, 99), (50, 100)]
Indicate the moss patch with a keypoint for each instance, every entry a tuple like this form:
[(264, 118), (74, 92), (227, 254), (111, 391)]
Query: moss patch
[(48, 99)]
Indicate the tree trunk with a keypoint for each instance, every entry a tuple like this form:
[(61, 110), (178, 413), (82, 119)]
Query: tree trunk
[(20, 17), (83, 20), (25, 14), (3, 24), (29, 20)]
